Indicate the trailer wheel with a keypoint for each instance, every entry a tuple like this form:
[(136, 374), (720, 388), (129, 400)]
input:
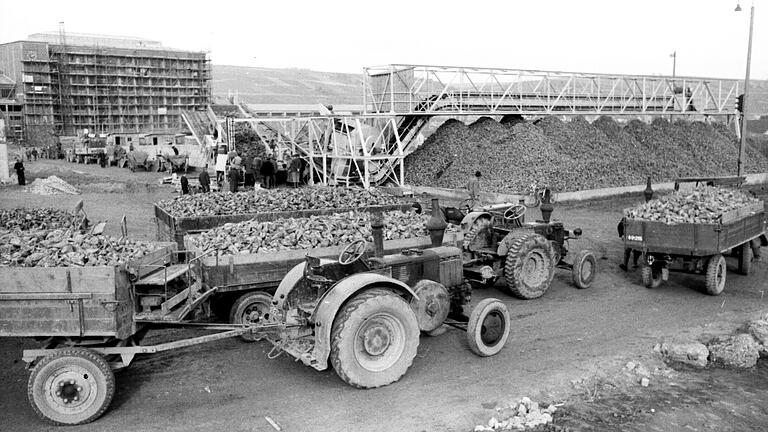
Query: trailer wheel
[(530, 267), (584, 269), (716, 275), (745, 259), (651, 277), (374, 339), (250, 308), (71, 386), (488, 327)]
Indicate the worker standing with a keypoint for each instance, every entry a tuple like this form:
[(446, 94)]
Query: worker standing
[(268, 171), (628, 251), (294, 171), (19, 167), (221, 168), (473, 187), (205, 180), (184, 184), (249, 178), (234, 176)]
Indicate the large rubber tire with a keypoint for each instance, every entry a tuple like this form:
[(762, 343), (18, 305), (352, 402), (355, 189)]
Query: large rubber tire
[(716, 272), (745, 259), (529, 267), (247, 303), (584, 269), (72, 373), (651, 278), (488, 327), (374, 339), (480, 235)]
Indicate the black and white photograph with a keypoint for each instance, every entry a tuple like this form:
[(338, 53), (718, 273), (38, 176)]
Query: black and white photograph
[(399, 216)]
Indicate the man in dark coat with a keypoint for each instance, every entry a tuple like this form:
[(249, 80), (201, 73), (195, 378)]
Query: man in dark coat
[(268, 172), (234, 177), (19, 167), (205, 180), (184, 185)]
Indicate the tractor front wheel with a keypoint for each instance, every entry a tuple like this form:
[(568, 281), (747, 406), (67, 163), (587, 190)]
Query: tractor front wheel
[(374, 339), (584, 269), (488, 327)]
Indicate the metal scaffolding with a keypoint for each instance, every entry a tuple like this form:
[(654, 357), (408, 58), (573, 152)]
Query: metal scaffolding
[(445, 90), (399, 101)]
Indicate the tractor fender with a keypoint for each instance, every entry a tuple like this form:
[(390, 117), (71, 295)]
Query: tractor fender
[(470, 219), (290, 280), (336, 297)]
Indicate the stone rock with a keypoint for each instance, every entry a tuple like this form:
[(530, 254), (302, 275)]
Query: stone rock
[(522, 410), (630, 366), (644, 382), (739, 351), (759, 330), (551, 409), (688, 352)]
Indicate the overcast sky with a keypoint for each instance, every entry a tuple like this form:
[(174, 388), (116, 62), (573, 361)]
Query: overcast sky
[(610, 36)]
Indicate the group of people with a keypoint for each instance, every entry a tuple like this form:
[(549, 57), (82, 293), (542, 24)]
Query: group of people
[(233, 170)]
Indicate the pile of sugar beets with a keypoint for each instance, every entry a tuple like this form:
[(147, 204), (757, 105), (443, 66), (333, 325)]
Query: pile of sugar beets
[(701, 205), (311, 198), (43, 237), (303, 233)]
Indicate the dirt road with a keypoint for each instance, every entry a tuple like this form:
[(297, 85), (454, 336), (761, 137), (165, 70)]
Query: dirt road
[(565, 336)]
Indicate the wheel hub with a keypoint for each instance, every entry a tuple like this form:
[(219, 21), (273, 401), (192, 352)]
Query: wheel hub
[(376, 339), (71, 389), (534, 268), (492, 328), (586, 270)]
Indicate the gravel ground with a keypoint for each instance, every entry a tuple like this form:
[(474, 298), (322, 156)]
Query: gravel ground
[(562, 347)]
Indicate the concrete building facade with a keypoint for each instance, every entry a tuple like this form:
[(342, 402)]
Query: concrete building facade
[(65, 84)]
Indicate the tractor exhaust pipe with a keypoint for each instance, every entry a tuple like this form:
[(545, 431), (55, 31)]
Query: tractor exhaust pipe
[(436, 225), (377, 227)]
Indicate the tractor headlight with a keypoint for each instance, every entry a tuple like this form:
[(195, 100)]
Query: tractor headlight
[(487, 273)]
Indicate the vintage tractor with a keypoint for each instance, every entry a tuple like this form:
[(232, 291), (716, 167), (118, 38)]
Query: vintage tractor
[(363, 315), (499, 243)]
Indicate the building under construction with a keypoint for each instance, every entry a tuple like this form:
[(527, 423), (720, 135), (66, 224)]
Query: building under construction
[(65, 83)]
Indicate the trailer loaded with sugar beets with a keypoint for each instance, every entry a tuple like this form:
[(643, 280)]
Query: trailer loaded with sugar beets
[(693, 231), (361, 315)]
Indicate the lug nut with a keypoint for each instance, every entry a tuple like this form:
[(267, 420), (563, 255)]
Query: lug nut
[(77, 398), (58, 393), (61, 384), (72, 382), (79, 389)]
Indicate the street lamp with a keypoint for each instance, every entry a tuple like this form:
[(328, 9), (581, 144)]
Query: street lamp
[(743, 142), (674, 62)]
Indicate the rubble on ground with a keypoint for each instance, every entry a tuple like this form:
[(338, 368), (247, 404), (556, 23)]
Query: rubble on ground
[(735, 351), (519, 415), (51, 186)]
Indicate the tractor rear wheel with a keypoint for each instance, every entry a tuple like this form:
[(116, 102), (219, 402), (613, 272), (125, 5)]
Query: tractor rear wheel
[(745, 258), (529, 267), (488, 327), (716, 275), (72, 386), (374, 339), (250, 308)]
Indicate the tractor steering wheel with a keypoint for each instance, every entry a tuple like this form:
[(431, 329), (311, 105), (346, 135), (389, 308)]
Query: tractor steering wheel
[(515, 212), (353, 252)]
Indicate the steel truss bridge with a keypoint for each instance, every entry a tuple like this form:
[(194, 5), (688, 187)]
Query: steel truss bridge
[(399, 100)]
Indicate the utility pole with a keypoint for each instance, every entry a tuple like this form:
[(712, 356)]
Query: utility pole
[(743, 142)]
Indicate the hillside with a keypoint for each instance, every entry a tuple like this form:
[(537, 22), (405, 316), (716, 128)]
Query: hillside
[(288, 86)]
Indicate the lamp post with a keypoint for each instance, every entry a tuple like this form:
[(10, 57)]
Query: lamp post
[(674, 62), (743, 141)]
